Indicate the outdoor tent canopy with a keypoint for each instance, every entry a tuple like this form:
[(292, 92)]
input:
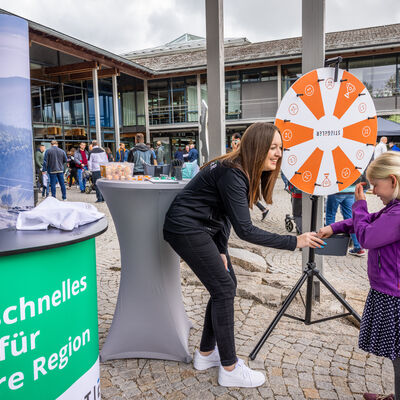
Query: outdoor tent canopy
[(388, 128)]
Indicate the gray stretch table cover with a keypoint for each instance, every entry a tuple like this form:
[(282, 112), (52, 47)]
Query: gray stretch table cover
[(150, 320)]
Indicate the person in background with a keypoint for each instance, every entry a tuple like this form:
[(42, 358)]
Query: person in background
[(345, 199), (197, 226), (236, 138), (152, 152), (122, 153), (379, 233), (193, 154), (160, 153), (186, 153), (393, 147), (179, 154), (39, 155), (380, 147), (297, 204), (53, 162), (81, 161), (109, 154), (139, 155), (72, 167), (97, 157)]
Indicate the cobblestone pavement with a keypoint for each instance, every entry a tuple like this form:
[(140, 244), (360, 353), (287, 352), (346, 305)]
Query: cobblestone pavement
[(320, 361)]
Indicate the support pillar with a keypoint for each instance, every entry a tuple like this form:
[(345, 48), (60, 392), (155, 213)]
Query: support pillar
[(116, 111), (215, 77), (279, 84), (146, 110), (201, 161), (96, 105), (313, 56)]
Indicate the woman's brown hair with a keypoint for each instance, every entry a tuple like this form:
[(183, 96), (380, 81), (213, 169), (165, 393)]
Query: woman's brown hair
[(250, 158)]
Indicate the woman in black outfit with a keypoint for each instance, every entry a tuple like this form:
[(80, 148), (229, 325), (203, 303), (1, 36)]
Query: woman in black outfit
[(72, 167), (197, 226)]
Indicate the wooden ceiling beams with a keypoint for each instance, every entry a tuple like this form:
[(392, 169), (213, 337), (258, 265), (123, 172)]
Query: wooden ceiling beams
[(87, 76), (82, 67)]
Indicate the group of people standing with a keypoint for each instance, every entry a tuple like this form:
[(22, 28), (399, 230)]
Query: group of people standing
[(50, 167), (188, 154)]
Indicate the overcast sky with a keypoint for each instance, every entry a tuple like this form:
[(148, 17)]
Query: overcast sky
[(125, 25)]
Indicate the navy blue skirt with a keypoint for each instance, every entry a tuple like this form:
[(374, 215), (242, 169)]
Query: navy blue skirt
[(380, 325)]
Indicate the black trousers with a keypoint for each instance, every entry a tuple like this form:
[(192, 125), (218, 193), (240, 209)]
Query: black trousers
[(97, 175), (202, 255), (73, 175)]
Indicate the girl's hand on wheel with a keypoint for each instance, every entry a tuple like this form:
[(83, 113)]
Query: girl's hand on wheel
[(309, 239), (325, 232)]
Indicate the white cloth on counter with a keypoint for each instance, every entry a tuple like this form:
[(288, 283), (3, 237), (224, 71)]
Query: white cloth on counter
[(65, 215)]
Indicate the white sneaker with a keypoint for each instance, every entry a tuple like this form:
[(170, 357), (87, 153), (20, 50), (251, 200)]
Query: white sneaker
[(241, 376), (204, 362)]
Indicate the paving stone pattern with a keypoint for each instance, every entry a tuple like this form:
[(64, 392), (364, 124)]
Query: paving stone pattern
[(320, 361)]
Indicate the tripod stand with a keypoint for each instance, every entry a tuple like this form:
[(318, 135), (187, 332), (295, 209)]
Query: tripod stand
[(309, 272)]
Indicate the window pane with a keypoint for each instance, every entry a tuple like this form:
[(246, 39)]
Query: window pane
[(192, 103), (378, 74), (141, 119), (74, 105), (129, 108), (290, 73)]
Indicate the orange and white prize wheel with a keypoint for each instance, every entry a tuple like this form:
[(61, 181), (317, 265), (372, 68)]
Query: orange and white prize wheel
[(328, 129)]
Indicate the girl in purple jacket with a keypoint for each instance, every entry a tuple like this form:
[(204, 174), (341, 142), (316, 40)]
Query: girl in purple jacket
[(380, 234)]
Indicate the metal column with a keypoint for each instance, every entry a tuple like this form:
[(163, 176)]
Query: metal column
[(215, 77), (116, 110), (146, 110), (96, 105), (201, 160), (313, 56), (279, 84)]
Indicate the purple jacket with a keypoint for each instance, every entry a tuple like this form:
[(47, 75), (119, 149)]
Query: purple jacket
[(380, 234)]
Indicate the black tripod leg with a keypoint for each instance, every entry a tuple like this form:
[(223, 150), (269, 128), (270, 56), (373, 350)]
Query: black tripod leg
[(279, 315), (338, 296), (309, 299)]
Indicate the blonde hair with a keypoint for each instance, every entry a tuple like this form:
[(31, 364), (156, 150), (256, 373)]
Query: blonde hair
[(385, 165)]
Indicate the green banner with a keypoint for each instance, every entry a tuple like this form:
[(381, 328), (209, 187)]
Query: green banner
[(48, 324)]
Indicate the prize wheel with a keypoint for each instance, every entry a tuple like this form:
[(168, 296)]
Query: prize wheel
[(328, 130)]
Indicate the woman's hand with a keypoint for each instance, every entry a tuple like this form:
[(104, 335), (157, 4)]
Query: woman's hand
[(359, 191), (325, 232), (225, 261), (309, 239)]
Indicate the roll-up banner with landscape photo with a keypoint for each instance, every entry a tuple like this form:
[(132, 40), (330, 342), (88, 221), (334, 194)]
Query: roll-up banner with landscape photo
[(16, 161)]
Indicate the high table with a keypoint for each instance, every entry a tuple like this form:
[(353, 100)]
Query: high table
[(150, 320), (49, 347)]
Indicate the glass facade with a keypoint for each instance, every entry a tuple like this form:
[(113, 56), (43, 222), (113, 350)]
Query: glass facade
[(105, 103), (132, 101), (380, 75), (65, 112), (232, 95), (173, 100), (290, 73)]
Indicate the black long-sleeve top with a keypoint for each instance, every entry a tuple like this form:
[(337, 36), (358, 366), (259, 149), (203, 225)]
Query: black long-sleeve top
[(213, 200)]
